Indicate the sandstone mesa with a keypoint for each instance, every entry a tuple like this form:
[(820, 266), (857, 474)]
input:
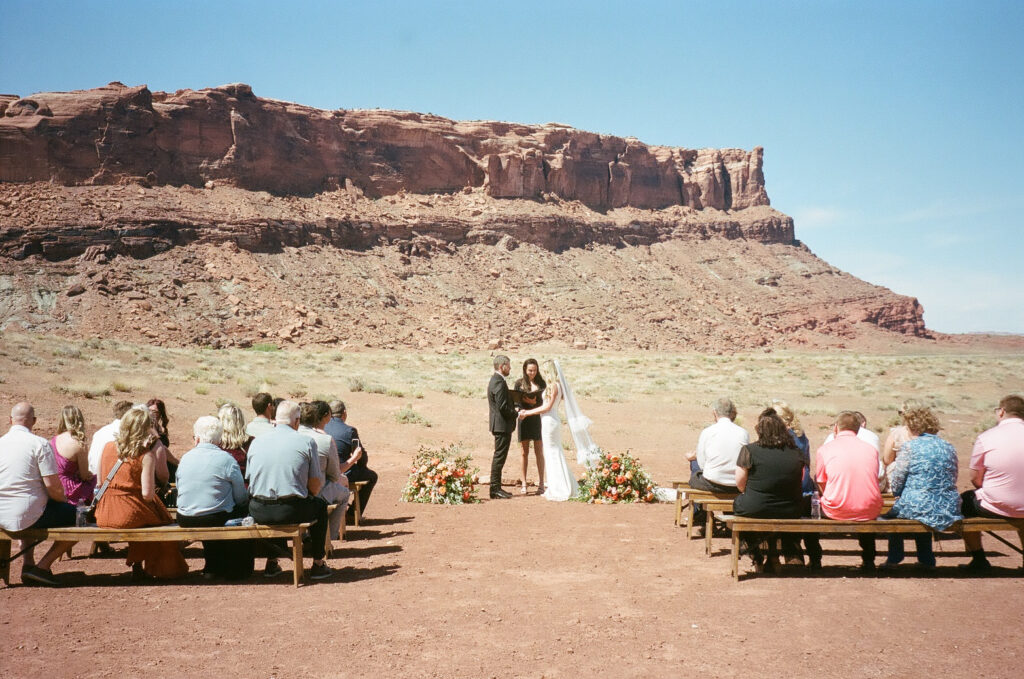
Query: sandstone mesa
[(217, 217)]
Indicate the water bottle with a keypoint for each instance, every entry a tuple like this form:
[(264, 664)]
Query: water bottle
[(81, 514), (815, 505)]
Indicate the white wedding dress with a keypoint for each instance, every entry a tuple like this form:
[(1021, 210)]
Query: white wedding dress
[(560, 484)]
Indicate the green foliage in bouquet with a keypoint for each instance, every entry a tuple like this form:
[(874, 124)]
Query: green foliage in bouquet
[(616, 478), (441, 477)]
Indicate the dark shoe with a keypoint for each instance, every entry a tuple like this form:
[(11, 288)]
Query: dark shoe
[(37, 576), (814, 565), (976, 567), (272, 568), (139, 573), (889, 566), (500, 495), (868, 567), (321, 571)]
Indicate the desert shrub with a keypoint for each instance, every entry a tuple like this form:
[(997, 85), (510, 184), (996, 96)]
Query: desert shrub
[(265, 347), (121, 387), (202, 389), (355, 384), (409, 416)]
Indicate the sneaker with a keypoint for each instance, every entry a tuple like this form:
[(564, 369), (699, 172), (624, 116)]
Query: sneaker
[(320, 571), (272, 568), (37, 576)]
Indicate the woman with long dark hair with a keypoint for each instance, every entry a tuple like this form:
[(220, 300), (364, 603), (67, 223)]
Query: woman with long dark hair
[(530, 427), (768, 474)]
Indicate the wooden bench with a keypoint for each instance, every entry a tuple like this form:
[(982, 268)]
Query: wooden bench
[(828, 527), (357, 509), (294, 532)]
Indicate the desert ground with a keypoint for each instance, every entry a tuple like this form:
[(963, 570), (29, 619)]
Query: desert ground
[(520, 587)]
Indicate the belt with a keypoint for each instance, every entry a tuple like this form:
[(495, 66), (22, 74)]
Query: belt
[(289, 500)]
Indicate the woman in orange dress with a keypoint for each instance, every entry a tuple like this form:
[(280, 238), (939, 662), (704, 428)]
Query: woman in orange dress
[(130, 500)]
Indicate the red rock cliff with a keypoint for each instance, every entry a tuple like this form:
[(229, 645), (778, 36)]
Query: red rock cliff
[(228, 135)]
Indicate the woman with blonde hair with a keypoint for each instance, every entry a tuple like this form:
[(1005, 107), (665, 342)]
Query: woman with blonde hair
[(71, 452), (234, 441), (796, 430), (131, 500), (923, 479), (559, 481)]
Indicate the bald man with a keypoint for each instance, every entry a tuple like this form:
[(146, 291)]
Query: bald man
[(31, 494)]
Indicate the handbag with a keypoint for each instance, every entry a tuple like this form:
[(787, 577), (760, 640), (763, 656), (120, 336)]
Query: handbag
[(90, 509)]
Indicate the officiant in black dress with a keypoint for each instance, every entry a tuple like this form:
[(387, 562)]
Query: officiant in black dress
[(533, 384)]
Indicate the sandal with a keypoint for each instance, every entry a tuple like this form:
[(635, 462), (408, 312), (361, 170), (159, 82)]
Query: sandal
[(522, 491), (541, 489)]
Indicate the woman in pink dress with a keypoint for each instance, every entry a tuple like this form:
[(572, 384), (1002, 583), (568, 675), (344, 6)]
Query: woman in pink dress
[(71, 452)]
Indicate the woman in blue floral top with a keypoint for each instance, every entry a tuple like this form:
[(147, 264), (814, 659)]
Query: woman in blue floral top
[(923, 479)]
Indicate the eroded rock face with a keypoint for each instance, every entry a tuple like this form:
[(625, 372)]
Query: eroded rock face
[(228, 135)]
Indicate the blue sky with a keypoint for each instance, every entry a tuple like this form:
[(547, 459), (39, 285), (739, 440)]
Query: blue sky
[(892, 130)]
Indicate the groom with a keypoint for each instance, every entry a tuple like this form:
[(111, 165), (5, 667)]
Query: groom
[(503, 421)]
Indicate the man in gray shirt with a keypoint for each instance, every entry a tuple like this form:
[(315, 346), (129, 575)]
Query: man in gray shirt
[(284, 474), (211, 491)]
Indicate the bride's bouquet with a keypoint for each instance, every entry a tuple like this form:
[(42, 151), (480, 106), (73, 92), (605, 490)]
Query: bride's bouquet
[(615, 478), (441, 477)]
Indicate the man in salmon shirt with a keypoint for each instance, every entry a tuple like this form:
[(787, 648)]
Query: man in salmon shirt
[(997, 472), (847, 473)]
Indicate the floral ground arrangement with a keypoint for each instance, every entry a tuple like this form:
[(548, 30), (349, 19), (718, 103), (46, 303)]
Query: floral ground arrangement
[(441, 477), (616, 478)]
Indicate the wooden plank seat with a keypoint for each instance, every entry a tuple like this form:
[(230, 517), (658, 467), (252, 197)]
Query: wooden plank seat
[(294, 532), (357, 508), (828, 527)]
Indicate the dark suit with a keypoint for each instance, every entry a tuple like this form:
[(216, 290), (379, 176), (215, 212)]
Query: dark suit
[(503, 423), (343, 434)]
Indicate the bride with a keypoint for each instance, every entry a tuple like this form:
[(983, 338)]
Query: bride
[(559, 481)]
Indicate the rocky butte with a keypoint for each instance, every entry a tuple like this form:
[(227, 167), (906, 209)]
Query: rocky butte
[(215, 217)]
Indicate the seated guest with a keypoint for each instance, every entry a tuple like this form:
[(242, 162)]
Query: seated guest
[(787, 415), (897, 436), (105, 435), (344, 435), (863, 433), (263, 404), (284, 479), (72, 457), (923, 479), (335, 490), (713, 463), (848, 473), (158, 411), (31, 494), (234, 440), (211, 491), (131, 500), (768, 475), (997, 472)]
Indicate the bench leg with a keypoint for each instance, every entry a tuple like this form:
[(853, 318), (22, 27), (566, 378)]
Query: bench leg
[(735, 554), (1020, 535), (679, 506), (357, 512), (5, 561), (297, 557), (689, 519), (708, 529)]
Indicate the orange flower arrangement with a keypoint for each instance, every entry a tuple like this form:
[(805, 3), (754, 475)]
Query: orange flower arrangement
[(441, 477), (616, 478)]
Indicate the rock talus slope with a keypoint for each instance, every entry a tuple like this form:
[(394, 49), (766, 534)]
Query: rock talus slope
[(216, 217)]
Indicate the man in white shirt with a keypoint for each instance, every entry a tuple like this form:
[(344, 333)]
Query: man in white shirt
[(31, 494), (713, 463), (105, 435)]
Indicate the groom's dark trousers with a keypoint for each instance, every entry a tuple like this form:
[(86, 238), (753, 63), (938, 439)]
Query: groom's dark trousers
[(503, 423)]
